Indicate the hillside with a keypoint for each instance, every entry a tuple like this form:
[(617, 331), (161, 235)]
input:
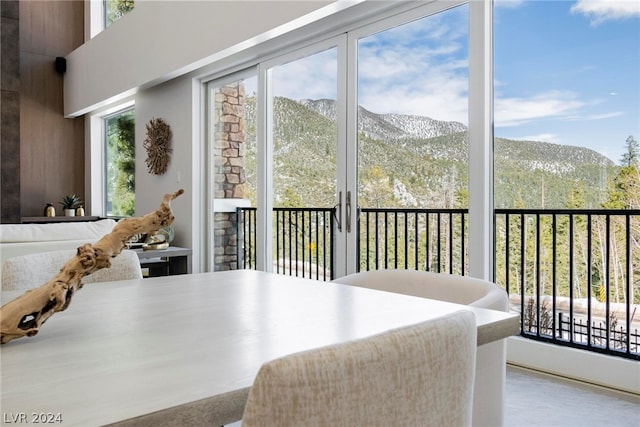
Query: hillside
[(388, 126), (413, 161)]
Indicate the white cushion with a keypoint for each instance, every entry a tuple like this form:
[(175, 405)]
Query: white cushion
[(86, 230), (24, 239), (33, 270)]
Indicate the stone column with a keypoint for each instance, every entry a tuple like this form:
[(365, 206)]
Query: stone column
[(229, 154)]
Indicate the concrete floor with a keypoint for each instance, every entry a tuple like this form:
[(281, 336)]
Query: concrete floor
[(534, 399)]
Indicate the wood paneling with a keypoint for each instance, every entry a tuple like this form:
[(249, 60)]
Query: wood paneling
[(51, 147), (10, 112)]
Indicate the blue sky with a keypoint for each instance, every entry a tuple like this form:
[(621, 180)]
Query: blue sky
[(566, 72)]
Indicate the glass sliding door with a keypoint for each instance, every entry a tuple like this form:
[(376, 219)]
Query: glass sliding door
[(412, 148), (303, 140), (231, 170), (360, 149)]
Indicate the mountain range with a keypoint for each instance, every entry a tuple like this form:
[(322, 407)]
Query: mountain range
[(415, 161)]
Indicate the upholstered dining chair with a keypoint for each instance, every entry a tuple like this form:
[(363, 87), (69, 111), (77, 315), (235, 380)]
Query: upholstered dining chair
[(419, 375), (488, 405), (33, 270)]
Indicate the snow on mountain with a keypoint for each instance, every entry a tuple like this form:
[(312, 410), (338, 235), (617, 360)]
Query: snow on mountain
[(388, 126)]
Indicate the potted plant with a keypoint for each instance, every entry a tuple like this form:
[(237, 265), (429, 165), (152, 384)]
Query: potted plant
[(69, 204)]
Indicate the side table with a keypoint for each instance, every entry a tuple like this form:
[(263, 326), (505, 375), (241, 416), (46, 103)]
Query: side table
[(165, 262)]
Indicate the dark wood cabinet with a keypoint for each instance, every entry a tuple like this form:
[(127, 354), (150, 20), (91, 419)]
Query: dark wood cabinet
[(165, 262)]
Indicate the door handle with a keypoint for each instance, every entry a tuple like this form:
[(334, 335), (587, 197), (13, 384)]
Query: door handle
[(337, 212), (348, 208)]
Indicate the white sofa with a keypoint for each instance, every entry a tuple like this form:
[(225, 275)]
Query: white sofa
[(23, 239)]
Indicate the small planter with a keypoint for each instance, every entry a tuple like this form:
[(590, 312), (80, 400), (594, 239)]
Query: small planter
[(70, 203)]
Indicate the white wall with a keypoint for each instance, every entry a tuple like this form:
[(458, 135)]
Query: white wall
[(160, 40), (176, 104), (581, 365)]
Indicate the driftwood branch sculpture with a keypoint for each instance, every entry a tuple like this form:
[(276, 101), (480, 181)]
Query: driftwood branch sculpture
[(158, 146), (25, 315)]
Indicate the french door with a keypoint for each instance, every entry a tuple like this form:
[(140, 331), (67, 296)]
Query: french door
[(303, 163), (335, 128), (410, 79)]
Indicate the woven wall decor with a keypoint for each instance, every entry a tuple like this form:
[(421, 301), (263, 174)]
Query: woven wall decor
[(158, 146)]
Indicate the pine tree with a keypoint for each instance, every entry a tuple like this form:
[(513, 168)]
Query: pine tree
[(632, 156), (624, 189), (124, 202), (624, 193)]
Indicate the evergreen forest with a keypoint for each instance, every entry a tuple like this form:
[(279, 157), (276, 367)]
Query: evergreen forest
[(590, 248)]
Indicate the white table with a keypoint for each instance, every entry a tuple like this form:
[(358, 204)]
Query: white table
[(184, 350)]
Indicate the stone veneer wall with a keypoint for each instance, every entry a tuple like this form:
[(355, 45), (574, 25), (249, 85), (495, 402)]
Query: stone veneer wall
[(229, 154)]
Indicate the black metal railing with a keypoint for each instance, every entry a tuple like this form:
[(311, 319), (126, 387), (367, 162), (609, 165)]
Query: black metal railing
[(421, 239), (581, 265), (302, 243), (574, 275), (247, 238)]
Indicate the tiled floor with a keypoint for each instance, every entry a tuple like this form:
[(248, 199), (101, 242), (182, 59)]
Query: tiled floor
[(539, 400)]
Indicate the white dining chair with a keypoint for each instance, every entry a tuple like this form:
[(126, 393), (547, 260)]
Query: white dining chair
[(33, 270), (488, 405), (420, 375)]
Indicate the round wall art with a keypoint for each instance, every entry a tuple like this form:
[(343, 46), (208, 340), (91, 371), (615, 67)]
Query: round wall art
[(158, 146)]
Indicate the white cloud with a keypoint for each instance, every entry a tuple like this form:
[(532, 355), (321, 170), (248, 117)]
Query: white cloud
[(605, 115), (544, 137), (444, 101), (313, 77), (517, 111), (419, 86), (424, 71), (419, 68), (556, 105), (600, 11)]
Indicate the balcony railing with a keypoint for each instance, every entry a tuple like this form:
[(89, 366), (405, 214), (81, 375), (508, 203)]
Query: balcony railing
[(420, 239), (302, 243), (574, 275)]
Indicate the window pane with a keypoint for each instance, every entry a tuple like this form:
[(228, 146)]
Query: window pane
[(412, 144), (304, 131), (566, 100), (232, 123), (567, 119), (413, 114), (304, 163), (116, 9), (234, 150), (120, 164)]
